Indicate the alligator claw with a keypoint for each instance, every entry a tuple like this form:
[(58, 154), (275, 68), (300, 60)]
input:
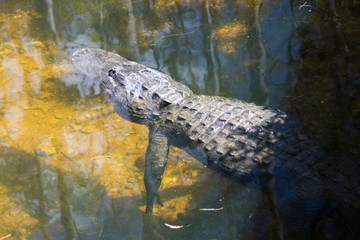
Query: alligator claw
[(152, 199)]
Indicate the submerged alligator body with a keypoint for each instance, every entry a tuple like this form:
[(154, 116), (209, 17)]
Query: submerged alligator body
[(242, 139)]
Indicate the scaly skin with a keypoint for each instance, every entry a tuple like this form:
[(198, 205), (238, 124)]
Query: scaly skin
[(242, 139)]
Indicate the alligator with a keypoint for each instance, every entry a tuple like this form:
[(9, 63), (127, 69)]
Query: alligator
[(245, 141)]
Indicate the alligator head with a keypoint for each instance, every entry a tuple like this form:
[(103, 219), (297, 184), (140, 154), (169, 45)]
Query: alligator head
[(137, 92)]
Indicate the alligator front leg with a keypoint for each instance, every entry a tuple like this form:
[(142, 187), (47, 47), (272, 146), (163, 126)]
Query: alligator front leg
[(155, 162)]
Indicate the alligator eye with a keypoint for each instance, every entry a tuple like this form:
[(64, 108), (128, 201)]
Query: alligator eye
[(112, 73), (117, 77)]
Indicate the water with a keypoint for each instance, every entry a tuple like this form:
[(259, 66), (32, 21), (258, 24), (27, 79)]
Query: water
[(72, 169)]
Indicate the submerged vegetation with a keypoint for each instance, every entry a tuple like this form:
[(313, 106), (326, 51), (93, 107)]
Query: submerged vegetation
[(229, 36)]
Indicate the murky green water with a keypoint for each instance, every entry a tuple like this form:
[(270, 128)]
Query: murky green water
[(72, 169)]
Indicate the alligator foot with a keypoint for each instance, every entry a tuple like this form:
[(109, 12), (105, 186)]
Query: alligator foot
[(152, 199)]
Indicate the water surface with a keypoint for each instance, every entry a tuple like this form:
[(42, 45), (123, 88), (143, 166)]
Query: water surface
[(72, 169)]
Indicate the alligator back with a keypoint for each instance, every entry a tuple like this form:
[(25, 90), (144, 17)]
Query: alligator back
[(244, 139), (229, 133)]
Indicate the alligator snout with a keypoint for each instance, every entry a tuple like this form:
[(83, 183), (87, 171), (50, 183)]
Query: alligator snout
[(95, 63)]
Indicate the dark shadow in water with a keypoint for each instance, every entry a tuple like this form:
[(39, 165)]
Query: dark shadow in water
[(39, 190), (326, 95)]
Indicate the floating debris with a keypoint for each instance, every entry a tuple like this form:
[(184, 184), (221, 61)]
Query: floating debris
[(173, 226), (211, 209), (9, 235)]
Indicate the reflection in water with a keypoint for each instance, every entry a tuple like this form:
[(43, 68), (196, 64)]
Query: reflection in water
[(20, 201), (70, 168)]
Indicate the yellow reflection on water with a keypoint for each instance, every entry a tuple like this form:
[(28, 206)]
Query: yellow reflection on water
[(79, 138), (228, 36), (24, 118)]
